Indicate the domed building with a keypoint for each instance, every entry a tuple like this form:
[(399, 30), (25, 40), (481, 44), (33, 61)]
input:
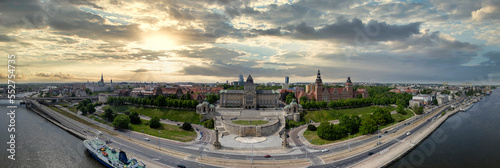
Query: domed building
[(249, 98)]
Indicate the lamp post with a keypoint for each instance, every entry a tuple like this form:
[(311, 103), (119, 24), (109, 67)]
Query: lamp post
[(349, 141), (129, 130), (378, 127), (159, 140), (252, 154)]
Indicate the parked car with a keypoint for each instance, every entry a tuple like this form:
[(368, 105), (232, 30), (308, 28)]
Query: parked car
[(267, 156)]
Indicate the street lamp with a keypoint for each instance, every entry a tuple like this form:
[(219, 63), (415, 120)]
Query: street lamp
[(129, 130), (159, 140), (378, 127), (349, 141)]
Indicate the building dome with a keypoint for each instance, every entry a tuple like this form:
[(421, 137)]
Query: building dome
[(249, 80)]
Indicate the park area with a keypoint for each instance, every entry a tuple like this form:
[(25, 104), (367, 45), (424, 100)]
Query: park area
[(189, 116), (167, 131)]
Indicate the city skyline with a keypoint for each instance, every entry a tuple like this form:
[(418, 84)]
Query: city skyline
[(214, 41)]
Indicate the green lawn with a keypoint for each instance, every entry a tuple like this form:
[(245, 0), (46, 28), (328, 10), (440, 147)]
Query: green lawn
[(164, 113), (72, 109), (167, 131), (254, 122), (331, 114), (314, 139)]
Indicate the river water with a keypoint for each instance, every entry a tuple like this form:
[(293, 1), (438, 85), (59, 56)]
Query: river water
[(466, 139), (39, 143)]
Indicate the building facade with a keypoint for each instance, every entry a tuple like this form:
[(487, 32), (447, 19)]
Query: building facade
[(321, 93), (249, 97)]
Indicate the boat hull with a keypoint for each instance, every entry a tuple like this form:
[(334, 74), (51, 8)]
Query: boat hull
[(100, 160)]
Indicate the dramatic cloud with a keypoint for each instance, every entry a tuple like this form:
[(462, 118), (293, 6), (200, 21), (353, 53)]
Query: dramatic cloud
[(214, 40)]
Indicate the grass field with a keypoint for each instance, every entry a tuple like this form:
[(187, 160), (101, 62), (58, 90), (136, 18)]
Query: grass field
[(254, 122), (86, 122), (72, 109), (328, 115), (164, 113), (166, 131)]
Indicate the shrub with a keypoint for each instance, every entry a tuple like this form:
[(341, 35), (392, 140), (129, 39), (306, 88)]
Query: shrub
[(186, 126), (311, 127)]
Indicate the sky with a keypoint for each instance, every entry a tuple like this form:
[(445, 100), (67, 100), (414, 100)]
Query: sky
[(205, 41)]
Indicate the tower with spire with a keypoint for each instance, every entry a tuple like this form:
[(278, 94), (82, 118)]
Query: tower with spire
[(318, 87)]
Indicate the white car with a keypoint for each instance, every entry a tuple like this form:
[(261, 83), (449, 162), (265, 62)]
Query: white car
[(324, 150), (100, 133), (147, 139), (408, 133)]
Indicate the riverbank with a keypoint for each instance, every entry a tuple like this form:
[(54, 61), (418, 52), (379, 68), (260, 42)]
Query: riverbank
[(49, 116), (406, 145)]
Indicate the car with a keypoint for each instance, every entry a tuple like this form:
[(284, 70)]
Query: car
[(267, 156), (380, 136), (147, 139), (197, 129), (100, 133), (370, 153), (181, 166), (385, 132), (115, 128), (324, 150), (408, 133)]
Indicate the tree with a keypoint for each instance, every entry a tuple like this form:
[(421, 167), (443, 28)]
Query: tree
[(303, 99), (121, 121), (289, 97), (350, 123), (418, 109), (401, 110), (154, 122), (186, 126), (435, 102), (90, 108), (209, 124), (368, 125), (311, 127), (108, 115), (134, 118), (83, 110)]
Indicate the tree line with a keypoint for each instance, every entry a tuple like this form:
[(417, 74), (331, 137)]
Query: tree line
[(160, 101), (353, 124)]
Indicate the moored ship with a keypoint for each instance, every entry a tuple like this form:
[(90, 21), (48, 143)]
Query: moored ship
[(466, 107), (109, 156)]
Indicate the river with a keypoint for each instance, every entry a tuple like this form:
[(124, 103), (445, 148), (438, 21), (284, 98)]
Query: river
[(39, 143), (466, 139)]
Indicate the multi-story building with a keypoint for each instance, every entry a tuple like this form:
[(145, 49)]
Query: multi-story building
[(321, 93), (249, 97)]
